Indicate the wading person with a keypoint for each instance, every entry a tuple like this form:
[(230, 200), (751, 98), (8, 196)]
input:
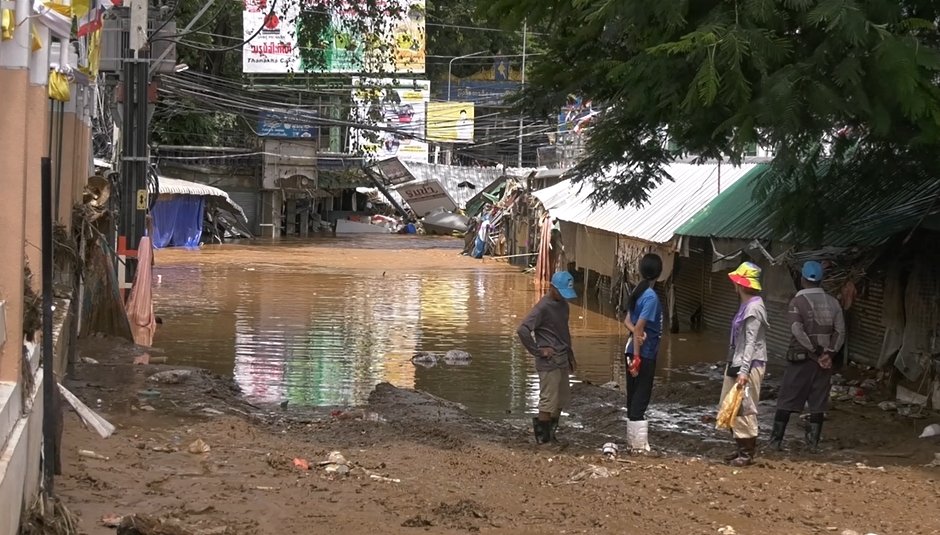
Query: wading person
[(818, 328), (544, 333), (644, 320), (747, 357)]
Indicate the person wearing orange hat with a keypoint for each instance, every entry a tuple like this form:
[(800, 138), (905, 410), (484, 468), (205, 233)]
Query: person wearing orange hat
[(747, 357)]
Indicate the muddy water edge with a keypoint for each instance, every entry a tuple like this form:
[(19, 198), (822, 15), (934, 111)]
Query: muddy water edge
[(319, 323)]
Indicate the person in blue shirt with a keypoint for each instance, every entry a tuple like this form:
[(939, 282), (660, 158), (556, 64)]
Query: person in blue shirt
[(644, 320)]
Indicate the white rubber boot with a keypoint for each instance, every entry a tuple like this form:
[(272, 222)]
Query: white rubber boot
[(638, 436)]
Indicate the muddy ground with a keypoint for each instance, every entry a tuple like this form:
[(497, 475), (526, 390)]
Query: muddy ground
[(420, 464)]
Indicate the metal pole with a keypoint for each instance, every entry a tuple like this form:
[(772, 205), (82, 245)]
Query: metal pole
[(381, 187), (49, 416), (524, 32), (450, 65)]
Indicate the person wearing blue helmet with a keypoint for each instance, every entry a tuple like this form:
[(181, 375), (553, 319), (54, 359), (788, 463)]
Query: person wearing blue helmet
[(546, 336), (817, 325)]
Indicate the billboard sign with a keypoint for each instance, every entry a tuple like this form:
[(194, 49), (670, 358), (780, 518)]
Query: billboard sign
[(482, 92), (426, 197), (398, 111), (288, 123), (450, 122), (336, 36)]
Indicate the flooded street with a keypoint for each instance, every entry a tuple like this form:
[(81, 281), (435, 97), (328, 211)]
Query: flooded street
[(321, 322)]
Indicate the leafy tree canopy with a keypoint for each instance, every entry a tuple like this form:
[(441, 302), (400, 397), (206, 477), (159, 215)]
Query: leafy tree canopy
[(845, 91)]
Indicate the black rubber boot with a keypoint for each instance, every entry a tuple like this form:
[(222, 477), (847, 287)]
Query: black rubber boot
[(543, 431), (552, 429), (777, 433), (813, 436), (736, 453)]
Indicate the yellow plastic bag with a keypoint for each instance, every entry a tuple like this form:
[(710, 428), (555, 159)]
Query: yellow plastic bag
[(728, 410), (35, 40), (59, 87), (7, 24)]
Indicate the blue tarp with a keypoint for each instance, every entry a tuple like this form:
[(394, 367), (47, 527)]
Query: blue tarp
[(177, 221)]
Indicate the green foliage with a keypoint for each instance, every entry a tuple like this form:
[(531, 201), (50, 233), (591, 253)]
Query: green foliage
[(715, 76)]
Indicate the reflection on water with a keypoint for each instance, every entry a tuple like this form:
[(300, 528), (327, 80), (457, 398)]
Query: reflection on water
[(321, 322)]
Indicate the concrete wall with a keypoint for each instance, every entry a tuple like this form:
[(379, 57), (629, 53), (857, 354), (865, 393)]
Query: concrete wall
[(24, 140)]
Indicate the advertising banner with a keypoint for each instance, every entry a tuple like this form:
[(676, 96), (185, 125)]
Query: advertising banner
[(398, 110), (328, 36), (450, 122), (288, 123)]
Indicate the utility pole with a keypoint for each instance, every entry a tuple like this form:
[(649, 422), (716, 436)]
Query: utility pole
[(524, 32), (135, 131)]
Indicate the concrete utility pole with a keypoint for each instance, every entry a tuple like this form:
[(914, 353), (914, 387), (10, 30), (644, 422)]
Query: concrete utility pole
[(135, 131), (524, 32)]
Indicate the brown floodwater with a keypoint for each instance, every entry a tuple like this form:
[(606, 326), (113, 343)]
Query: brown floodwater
[(320, 322)]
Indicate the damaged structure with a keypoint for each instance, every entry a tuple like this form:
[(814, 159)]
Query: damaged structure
[(883, 264)]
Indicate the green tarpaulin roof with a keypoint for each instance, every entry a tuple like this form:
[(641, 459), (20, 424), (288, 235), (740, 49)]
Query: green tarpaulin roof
[(736, 213)]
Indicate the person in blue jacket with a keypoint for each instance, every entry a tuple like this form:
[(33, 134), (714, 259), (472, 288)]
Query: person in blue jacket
[(644, 320)]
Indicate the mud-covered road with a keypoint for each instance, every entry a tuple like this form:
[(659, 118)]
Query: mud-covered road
[(418, 464)]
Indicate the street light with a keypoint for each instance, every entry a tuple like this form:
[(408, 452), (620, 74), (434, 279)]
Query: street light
[(450, 65)]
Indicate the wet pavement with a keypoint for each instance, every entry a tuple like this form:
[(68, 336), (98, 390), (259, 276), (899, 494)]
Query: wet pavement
[(320, 322)]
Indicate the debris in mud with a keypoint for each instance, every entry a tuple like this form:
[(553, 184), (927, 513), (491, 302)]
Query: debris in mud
[(417, 521), (591, 472), (726, 530), (935, 463), (611, 385), (89, 360), (335, 463), (610, 450), (89, 417), (384, 479), (198, 447), (111, 520), (88, 454), (301, 463), (888, 406), (171, 377), (149, 393), (146, 525), (455, 357), (211, 412), (931, 430)]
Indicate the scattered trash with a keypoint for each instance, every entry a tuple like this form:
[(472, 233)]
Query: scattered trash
[(912, 411), (88, 454), (373, 417), (377, 477), (111, 520), (149, 393), (909, 397), (611, 385), (89, 417), (935, 463), (591, 472), (863, 466), (211, 412), (727, 530), (301, 463), (335, 463), (931, 430), (888, 406), (267, 488), (89, 360), (870, 384), (147, 408), (610, 450), (165, 449), (171, 377), (198, 447), (935, 395)]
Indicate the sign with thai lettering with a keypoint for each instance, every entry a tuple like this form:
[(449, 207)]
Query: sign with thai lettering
[(426, 197)]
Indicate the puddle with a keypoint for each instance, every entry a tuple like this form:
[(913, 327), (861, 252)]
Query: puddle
[(320, 322)]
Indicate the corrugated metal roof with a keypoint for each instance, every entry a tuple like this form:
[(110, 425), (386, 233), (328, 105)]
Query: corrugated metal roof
[(670, 204), (175, 186), (870, 222)]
